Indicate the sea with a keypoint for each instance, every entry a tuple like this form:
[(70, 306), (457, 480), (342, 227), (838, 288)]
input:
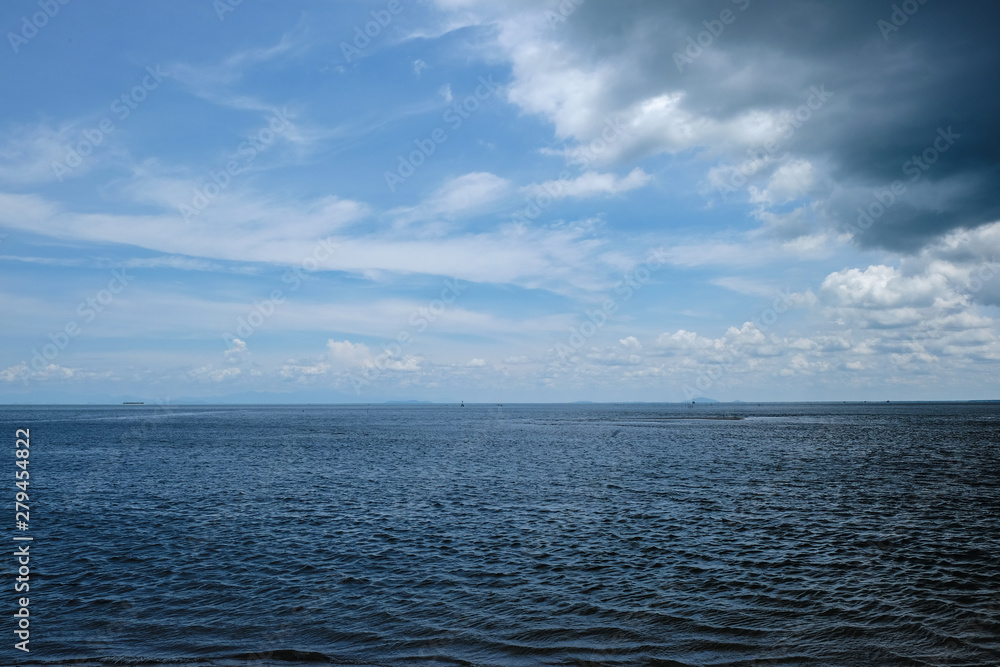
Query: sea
[(509, 535)]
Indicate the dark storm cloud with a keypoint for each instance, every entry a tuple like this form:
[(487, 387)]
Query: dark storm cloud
[(895, 84)]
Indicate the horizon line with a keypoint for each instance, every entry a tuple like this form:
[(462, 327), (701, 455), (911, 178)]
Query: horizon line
[(419, 403)]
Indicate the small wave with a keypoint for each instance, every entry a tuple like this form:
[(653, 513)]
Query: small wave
[(290, 657)]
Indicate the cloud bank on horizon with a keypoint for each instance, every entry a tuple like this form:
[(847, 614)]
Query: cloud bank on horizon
[(518, 201)]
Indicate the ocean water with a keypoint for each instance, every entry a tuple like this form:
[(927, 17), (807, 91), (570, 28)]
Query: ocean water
[(813, 534)]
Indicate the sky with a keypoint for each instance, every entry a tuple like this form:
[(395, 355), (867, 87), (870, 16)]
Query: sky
[(518, 201)]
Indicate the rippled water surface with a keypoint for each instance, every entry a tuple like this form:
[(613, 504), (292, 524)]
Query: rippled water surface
[(514, 535)]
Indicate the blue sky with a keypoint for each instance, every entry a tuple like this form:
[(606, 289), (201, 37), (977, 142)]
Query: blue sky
[(522, 201)]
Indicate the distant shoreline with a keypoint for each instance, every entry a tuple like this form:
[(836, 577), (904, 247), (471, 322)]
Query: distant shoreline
[(415, 405)]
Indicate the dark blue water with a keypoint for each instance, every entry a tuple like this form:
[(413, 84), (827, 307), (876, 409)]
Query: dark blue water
[(521, 535)]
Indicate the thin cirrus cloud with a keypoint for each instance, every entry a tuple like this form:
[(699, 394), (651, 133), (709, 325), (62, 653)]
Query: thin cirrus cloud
[(591, 184), (463, 195)]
